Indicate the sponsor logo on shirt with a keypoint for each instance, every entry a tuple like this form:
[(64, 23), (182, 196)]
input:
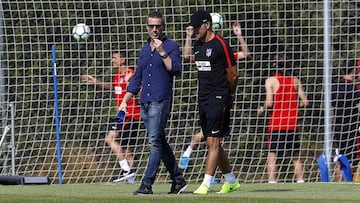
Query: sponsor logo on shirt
[(118, 90), (203, 65)]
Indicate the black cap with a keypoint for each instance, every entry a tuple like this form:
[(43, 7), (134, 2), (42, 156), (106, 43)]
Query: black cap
[(199, 17)]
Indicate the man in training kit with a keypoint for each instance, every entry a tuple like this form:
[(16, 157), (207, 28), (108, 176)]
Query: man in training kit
[(217, 78), (239, 55), (159, 62), (282, 92), (126, 131)]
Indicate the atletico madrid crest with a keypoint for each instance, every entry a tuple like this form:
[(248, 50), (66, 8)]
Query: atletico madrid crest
[(208, 52)]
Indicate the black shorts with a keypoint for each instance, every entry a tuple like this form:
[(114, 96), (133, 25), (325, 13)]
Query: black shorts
[(127, 132), (284, 142), (348, 144), (215, 116)]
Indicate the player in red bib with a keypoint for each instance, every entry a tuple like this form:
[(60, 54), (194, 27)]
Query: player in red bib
[(126, 131), (282, 92)]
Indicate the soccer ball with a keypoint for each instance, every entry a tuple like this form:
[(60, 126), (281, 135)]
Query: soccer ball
[(81, 31), (217, 20)]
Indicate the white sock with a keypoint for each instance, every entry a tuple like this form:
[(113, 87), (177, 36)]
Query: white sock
[(188, 151), (124, 165), (230, 177), (131, 180), (300, 181), (207, 180)]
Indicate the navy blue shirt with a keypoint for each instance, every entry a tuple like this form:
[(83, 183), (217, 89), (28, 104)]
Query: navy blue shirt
[(151, 74)]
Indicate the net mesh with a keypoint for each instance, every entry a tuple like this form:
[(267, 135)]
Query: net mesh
[(30, 28)]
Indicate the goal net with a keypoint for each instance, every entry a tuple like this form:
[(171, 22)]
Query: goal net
[(86, 112)]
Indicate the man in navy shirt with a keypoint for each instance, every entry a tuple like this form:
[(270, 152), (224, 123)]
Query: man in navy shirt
[(159, 62), (217, 77)]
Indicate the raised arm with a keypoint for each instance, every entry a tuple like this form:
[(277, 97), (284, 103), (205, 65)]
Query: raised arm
[(244, 48), (188, 57), (92, 80)]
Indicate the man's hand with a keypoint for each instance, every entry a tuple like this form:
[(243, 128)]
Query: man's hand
[(88, 79), (189, 31), (237, 28), (261, 110), (122, 106), (158, 44)]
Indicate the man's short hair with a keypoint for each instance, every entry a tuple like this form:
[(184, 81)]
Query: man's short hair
[(157, 14)]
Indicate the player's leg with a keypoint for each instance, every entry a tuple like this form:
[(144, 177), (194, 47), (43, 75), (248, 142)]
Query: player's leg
[(293, 145), (212, 144), (271, 167), (297, 162), (214, 121), (114, 145), (127, 175), (128, 155), (298, 168), (231, 184), (128, 139), (118, 150), (110, 139), (185, 157), (274, 147)]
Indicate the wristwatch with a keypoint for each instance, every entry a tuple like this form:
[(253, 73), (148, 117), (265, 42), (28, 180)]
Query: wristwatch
[(164, 56)]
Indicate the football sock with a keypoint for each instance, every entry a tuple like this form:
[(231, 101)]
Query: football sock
[(124, 165), (188, 151), (230, 177), (207, 180)]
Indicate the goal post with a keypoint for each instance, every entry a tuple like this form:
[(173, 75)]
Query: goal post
[(56, 112), (87, 112)]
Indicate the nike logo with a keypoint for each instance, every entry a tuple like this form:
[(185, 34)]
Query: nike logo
[(215, 131), (196, 52)]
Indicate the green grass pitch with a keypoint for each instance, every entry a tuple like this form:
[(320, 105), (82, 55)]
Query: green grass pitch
[(249, 193)]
